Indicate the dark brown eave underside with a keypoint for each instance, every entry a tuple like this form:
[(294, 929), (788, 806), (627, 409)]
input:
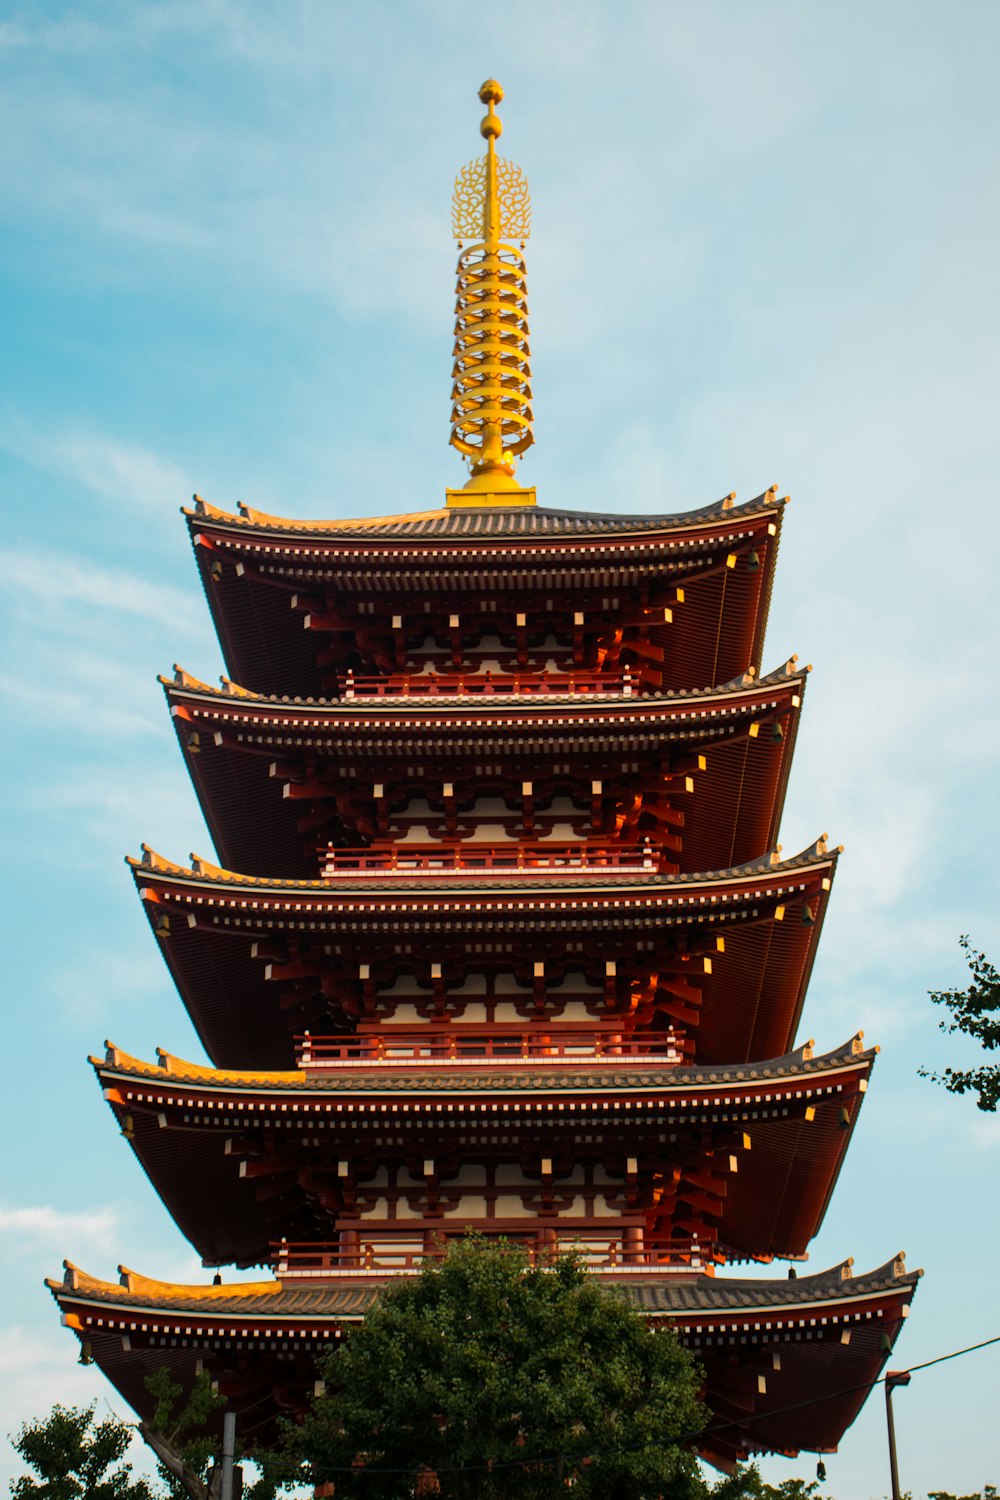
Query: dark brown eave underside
[(231, 1002), (266, 649), (801, 1118), (731, 811)]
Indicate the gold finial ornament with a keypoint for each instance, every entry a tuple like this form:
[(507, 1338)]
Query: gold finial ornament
[(491, 413)]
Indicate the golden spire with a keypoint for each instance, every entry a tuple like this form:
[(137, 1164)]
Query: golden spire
[(491, 393)]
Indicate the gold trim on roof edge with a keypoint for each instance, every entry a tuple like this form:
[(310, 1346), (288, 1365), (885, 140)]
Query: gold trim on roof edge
[(173, 1067), (76, 1280)]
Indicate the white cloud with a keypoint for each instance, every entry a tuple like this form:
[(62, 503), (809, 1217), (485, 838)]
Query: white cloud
[(64, 583), (37, 1226), (986, 1132), (98, 985), (105, 465), (42, 704)]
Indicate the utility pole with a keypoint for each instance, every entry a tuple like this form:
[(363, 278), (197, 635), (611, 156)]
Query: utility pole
[(229, 1450), (892, 1379)]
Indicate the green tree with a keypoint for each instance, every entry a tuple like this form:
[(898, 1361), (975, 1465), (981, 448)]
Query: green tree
[(975, 1012), (496, 1379), (176, 1433), (73, 1455), (183, 1436), (989, 1492), (746, 1484)]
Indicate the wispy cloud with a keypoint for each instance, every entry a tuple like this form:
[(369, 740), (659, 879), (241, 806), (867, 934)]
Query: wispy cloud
[(42, 704), (115, 468), (40, 1226), (98, 986), (119, 470), (65, 583), (986, 1132)]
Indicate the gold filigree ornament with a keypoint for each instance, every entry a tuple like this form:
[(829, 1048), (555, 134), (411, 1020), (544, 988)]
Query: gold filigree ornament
[(491, 416), (469, 200)]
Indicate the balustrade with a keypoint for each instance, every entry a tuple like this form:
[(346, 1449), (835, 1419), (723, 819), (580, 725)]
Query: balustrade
[(485, 684), (377, 1251), (392, 1045), (525, 857)]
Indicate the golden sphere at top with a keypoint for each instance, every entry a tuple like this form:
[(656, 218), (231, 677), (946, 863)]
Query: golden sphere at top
[(491, 93)]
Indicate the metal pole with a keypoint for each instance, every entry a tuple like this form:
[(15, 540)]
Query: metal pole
[(228, 1452), (892, 1379)]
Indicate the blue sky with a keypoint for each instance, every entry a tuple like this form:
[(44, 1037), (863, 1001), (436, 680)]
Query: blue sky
[(764, 250)]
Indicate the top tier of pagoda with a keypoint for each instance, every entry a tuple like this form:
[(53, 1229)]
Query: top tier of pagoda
[(493, 598)]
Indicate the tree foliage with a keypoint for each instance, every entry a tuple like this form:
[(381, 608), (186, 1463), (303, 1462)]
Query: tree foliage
[(747, 1484), (497, 1379), (989, 1492), (180, 1434), (176, 1434), (73, 1455), (976, 1013)]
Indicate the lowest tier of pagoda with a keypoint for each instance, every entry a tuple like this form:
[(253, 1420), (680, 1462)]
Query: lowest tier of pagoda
[(501, 938)]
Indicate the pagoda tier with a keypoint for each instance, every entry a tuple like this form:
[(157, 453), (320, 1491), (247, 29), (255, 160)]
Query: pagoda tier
[(787, 1363), (681, 600), (375, 1161), (527, 940), (702, 775)]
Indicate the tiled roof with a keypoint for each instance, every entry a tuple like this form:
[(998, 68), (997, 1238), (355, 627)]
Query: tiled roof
[(229, 691), (564, 879), (801, 1062), (708, 1294), (718, 1294), (487, 521)]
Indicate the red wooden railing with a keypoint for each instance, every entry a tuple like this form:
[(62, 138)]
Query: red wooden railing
[(385, 1251), (526, 857), (397, 1046), (465, 684)]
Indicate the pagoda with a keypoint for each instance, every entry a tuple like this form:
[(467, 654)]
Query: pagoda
[(500, 937)]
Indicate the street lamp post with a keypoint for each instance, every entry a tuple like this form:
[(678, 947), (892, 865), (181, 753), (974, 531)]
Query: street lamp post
[(892, 1379)]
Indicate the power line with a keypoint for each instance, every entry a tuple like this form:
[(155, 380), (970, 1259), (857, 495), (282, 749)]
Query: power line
[(584, 1459)]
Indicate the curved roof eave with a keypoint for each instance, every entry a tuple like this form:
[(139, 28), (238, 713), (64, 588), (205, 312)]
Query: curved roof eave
[(202, 871), (668, 1295), (177, 1072), (492, 521)]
